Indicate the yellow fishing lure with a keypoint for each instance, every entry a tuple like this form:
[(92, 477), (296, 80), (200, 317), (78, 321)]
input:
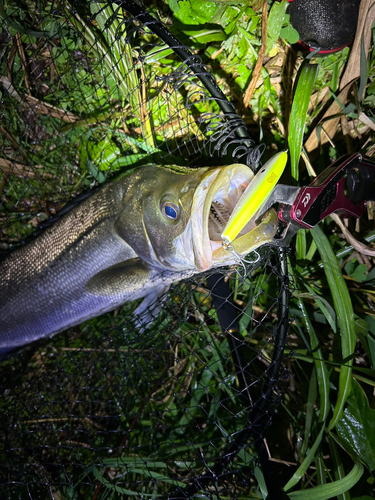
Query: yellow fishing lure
[(254, 196)]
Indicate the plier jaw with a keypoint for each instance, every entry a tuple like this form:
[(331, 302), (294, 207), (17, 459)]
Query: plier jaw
[(344, 188)]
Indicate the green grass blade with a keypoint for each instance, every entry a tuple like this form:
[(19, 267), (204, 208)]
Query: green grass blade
[(105, 482), (363, 69), (298, 114), (262, 484), (300, 472), (321, 470), (345, 314), (320, 366), (338, 466), (301, 245), (310, 412), (311, 251), (323, 305), (331, 490)]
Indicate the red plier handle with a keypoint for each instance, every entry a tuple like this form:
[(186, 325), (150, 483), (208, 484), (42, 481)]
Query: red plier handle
[(344, 188)]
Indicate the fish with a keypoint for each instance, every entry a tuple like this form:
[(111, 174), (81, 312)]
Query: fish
[(130, 239)]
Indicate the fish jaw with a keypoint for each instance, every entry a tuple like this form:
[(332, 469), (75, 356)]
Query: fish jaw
[(214, 200)]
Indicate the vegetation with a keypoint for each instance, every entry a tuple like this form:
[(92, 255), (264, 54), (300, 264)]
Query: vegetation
[(77, 108)]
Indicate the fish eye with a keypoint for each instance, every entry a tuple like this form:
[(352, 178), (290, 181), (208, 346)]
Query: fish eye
[(170, 210)]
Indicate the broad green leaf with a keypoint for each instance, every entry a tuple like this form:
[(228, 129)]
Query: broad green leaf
[(95, 172), (196, 11), (173, 4), (360, 273), (371, 323), (361, 326), (330, 490), (103, 153), (345, 314), (371, 275), (303, 90), (356, 271), (275, 22), (349, 266), (357, 426), (289, 34), (128, 160), (229, 19)]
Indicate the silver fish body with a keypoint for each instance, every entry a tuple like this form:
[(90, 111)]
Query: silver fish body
[(130, 239)]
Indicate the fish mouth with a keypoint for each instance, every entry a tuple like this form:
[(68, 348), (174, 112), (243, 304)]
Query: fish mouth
[(214, 201)]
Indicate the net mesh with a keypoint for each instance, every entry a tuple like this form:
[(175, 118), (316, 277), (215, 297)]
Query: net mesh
[(178, 407), (105, 407)]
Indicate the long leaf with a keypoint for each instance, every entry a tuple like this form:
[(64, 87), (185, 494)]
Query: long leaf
[(345, 314), (298, 114), (323, 305), (338, 466), (305, 464), (310, 411), (330, 490), (320, 366)]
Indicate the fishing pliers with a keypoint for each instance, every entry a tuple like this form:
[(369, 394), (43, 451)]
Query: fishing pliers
[(345, 187)]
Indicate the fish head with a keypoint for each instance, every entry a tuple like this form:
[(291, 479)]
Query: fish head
[(156, 213), (167, 214), (175, 216)]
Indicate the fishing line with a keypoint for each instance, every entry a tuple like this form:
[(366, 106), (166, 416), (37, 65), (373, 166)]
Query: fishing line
[(241, 260)]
